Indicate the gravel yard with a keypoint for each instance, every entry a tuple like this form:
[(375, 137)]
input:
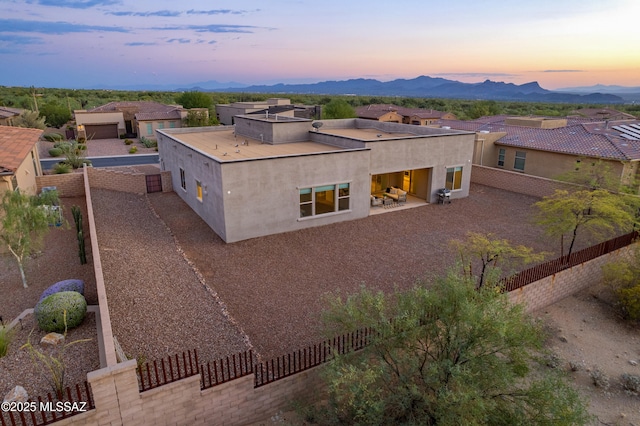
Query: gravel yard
[(274, 286)]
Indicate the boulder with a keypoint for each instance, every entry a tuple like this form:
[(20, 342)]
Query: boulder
[(53, 339), (17, 394)]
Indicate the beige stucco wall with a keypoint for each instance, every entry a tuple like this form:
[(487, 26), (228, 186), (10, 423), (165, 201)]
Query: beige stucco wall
[(84, 118), (142, 129), (26, 175), (547, 164)]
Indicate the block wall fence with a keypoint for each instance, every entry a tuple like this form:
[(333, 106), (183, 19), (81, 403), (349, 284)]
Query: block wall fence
[(115, 387)]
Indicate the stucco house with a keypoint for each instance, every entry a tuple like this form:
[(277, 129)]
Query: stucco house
[(551, 146), (397, 114), (8, 115), (225, 113), (19, 161), (270, 174), (133, 119)]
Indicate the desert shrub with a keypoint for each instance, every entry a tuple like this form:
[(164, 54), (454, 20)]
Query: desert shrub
[(553, 360), (576, 365), (62, 168), (55, 152), (66, 285), (52, 137), (82, 139), (6, 335), (82, 147), (623, 276), (631, 382), (133, 150), (51, 310), (148, 143), (128, 141), (599, 378)]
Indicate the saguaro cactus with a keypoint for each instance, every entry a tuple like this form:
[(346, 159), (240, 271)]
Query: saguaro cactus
[(77, 217)]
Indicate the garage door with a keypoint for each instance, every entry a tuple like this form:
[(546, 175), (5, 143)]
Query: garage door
[(101, 131)]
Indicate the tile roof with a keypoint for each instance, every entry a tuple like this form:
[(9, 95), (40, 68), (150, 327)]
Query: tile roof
[(15, 145), (378, 110), (6, 112), (581, 136), (144, 110)]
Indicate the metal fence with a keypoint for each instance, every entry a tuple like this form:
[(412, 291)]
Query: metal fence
[(167, 370), (554, 266), (76, 400)]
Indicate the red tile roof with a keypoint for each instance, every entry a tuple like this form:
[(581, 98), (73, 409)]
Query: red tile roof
[(15, 145), (378, 110), (143, 110), (581, 136)]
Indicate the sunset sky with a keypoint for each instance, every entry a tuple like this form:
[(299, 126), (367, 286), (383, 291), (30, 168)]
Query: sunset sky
[(92, 43)]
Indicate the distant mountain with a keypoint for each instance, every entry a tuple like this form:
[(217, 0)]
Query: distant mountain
[(600, 88), (425, 86), (202, 86), (628, 94)]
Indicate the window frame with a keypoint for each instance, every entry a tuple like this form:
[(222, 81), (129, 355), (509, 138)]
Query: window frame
[(149, 128), (199, 190), (502, 152), (453, 170), (183, 180), (309, 198), (520, 159)]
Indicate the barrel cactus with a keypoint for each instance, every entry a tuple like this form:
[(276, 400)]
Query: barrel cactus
[(50, 311)]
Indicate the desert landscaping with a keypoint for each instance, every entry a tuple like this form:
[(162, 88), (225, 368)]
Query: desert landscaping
[(173, 285)]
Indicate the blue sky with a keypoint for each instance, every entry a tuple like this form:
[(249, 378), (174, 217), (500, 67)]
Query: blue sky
[(89, 43)]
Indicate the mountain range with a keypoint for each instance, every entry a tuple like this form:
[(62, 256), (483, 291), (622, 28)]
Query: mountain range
[(425, 86)]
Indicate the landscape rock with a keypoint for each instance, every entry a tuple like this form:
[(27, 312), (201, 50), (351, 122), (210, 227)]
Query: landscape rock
[(17, 394), (53, 339), (633, 362)]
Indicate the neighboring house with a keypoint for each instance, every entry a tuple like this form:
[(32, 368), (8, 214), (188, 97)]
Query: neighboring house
[(7, 115), (132, 119), (601, 114), (549, 147), (19, 161), (398, 114), (225, 113), (270, 174)]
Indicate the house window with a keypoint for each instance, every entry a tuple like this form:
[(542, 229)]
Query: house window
[(454, 178), (324, 199), (161, 125), (172, 124), (183, 181), (518, 164), (198, 190), (14, 182), (501, 153), (149, 129)]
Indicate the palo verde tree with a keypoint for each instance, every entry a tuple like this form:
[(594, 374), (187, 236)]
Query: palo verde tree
[(24, 224), (195, 100), (599, 212), (489, 251), (449, 354)]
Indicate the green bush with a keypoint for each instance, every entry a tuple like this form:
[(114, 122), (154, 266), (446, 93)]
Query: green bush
[(128, 141), (62, 168), (52, 137), (148, 143), (50, 311), (623, 277), (6, 335), (133, 150), (82, 139), (55, 152), (82, 147)]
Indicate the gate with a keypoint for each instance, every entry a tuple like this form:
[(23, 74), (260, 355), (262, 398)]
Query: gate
[(154, 183)]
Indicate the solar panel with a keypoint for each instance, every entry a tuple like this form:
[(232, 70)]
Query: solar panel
[(635, 126), (631, 131), (627, 132)]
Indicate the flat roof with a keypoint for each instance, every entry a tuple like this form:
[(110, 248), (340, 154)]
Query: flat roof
[(367, 135), (217, 143)]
